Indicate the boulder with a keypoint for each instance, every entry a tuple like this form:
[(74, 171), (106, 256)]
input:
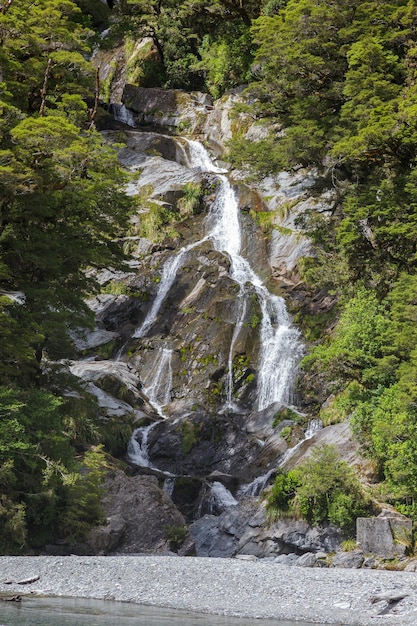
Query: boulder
[(352, 559), (287, 559), (218, 536), (309, 559), (146, 510), (200, 443), (105, 539), (169, 108), (388, 537), (286, 535)]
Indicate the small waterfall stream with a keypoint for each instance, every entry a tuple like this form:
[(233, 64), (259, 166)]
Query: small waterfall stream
[(158, 381), (256, 487), (168, 276), (137, 448), (220, 498), (158, 393), (230, 405)]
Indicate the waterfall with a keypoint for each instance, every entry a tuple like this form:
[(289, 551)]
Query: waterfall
[(220, 498), (122, 114), (160, 381), (229, 380), (137, 451), (256, 487), (169, 485), (158, 392), (280, 351), (280, 347), (169, 273), (199, 158)]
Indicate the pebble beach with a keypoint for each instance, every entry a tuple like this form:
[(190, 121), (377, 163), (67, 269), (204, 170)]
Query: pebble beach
[(232, 587)]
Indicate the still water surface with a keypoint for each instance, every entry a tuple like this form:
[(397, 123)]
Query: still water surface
[(76, 612)]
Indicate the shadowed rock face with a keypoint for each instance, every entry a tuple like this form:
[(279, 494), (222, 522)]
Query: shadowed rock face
[(143, 512)]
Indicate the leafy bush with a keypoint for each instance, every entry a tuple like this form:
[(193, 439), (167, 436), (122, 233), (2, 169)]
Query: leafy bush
[(82, 508), (322, 489), (176, 536)]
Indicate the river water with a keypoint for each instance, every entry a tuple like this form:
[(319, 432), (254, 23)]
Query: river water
[(77, 612)]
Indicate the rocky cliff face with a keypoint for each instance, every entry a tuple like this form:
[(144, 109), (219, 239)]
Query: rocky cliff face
[(193, 345)]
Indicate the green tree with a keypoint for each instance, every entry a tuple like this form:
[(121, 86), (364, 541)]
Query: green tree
[(180, 32), (357, 345), (66, 218), (321, 489), (62, 211), (32, 33)]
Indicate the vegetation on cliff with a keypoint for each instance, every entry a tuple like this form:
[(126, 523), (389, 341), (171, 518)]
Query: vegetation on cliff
[(340, 81), (321, 489)]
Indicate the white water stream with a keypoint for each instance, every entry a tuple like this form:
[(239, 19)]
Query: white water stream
[(220, 497), (280, 347), (159, 381)]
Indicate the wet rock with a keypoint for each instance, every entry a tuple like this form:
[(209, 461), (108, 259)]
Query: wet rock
[(186, 495), (286, 535), (287, 559), (210, 540), (260, 422), (218, 536), (169, 108), (338, 435), (200, 443)]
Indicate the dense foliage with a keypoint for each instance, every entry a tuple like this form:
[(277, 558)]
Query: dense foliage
[(322, 489), (62, 208), (198, 44), (339, 80)]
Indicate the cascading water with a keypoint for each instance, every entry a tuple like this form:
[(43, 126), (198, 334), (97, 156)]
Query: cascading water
[(280, 347), (157, 391), (220, 498), (160, 381), (137, 448), (168, 276), (122, 114), (230, 405)]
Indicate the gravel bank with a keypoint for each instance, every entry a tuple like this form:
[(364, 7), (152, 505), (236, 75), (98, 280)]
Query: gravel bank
[(221, 586)]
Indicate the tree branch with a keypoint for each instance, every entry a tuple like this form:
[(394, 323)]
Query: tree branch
[(5, 7), (45, 88), (93, 111)]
